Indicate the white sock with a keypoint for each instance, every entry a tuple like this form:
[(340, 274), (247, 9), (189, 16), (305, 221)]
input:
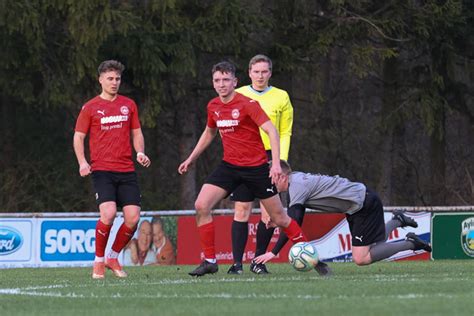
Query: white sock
[(211, 260), (99, 259), (112, 255)]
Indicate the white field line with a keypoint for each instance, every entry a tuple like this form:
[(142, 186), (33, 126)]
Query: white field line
[(223, 296), (46, 291)]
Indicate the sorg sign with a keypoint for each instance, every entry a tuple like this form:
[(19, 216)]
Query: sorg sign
[(73, 241), (68, 240)]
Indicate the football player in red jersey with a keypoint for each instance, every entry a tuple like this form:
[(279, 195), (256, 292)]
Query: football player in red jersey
[(111, 120), (238, 119)]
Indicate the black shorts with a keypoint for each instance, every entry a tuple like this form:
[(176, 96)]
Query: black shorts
[(119, 187), (243, 193), (256, 179), (367, 225)]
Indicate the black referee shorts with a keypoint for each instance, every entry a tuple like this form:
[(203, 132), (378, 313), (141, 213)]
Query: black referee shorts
[(119, 187), (367, 225), (256, 179)]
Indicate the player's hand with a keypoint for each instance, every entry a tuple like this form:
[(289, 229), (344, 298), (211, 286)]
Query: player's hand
[(275, 172), (84, 169), (184, 166), (264, 258), (143, 160), (270, 224)]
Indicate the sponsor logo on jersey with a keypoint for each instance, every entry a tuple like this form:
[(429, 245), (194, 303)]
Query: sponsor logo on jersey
[(467, 236), (10, 240), (124, 110), (114, 119), (227, 123), (101, 112), (235, 114)]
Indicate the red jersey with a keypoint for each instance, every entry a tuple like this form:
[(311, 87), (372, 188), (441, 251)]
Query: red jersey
[(109, 124), (238, 122)]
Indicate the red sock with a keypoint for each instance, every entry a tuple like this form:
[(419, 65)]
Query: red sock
[(206, 237), (294, 232), (124, 235), (102, 232)]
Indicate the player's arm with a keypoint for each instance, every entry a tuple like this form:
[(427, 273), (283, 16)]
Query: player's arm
[(204, 141), (275, 170), (296, 212), (78, 143), (286, 126), (139, 144)]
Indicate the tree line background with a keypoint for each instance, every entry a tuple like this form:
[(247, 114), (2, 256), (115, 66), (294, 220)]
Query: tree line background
[(382, 91)]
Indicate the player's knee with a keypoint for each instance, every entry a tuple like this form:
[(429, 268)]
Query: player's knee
[(282, 221), (132, 221), (107, 218), (361, 261), (241, 217), (242, 211), (201, 207)]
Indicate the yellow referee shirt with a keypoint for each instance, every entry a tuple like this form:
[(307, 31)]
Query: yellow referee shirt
[(276, 103)]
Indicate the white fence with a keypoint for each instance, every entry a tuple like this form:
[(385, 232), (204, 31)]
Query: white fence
[(432, 209)]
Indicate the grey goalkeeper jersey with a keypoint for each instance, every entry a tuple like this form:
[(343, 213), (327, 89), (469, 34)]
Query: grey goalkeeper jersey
[(325, 193)]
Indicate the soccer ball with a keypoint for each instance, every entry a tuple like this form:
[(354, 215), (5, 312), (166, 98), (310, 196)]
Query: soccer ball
[(303, 256)]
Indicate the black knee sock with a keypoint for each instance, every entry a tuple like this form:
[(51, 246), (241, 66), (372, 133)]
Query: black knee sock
[(264, 236), (240, 232)]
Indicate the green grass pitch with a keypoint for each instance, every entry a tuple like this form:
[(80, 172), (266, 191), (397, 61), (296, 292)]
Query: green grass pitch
[(385, 288)]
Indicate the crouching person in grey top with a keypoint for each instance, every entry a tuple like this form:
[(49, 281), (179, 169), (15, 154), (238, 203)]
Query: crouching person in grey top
[(362, 207)]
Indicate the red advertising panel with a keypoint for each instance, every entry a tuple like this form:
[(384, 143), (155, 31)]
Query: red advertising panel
[(329, 232)]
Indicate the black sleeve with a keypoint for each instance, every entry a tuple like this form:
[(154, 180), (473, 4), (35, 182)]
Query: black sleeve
[(297, 213)]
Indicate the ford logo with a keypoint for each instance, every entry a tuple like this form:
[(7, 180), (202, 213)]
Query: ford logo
[(10, 240)]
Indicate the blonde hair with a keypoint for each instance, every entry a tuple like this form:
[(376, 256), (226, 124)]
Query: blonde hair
[(260, 58)]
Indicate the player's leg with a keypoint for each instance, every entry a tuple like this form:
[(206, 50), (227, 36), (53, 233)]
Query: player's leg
[(129, 197), (243, 207), (104, 188), (264, 236), (279, 216), (364, 255), (367, 228), (208, 197), (399, 219), (108, 211), (131, 214)]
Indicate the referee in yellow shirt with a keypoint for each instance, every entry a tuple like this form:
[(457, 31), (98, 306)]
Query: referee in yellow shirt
[(276, 103)]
